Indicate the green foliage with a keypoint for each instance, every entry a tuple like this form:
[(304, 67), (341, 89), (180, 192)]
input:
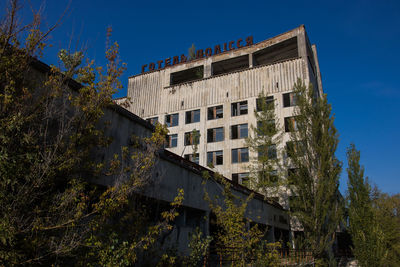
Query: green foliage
[(373, 218), (52, 212), (234, 240), (315, 198), (198, 245), (264, 138)]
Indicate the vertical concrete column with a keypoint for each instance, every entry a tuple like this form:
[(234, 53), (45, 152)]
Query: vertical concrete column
[(251, 60), (207, 68), (302, 43)]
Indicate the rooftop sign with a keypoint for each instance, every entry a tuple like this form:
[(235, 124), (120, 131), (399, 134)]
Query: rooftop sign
[(200, 53)]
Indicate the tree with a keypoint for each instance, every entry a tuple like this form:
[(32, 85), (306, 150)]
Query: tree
[(264, 138), (236, 240), (367, 237), (315, 200), (51, 128), (387, 214), (373, 218)]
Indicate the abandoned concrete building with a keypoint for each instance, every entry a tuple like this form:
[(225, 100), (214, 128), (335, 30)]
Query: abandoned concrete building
[(215, 95), (173, 172)]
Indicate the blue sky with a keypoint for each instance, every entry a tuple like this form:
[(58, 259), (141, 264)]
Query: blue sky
[(357, 44)]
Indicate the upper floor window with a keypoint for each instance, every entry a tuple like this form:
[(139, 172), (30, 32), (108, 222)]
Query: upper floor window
[(172, 140), (216, 112), (240, 155), (215, 135), (172, 120), (239, 131), (265, 103), (289, 100), (153, 120), (290, 124), (192, 138), (215, 158), (193, 158), (239, 108), (295, 148), (192, 116)]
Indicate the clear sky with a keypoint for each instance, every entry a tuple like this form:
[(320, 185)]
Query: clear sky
[(358, 48)]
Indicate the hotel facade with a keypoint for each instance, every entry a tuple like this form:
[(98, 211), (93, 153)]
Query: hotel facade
[(211, 98)]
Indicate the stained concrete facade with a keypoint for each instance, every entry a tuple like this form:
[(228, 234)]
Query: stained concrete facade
[(271, 66)]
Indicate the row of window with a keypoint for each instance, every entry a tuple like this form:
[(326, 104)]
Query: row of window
[(238, 131), (243, 178), (216, 112), (213, 135), (242, 154)]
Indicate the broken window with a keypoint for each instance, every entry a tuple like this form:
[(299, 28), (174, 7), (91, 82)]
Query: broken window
[(265, 103), (152, 121), (239, 131), (193, 158), (215, 158), (187, 75), (289, 100), (229, 65), (240, 155), (241, 178), (215, 135), (239, 108), (292, 173), (172, 140), (215, 112), (290, 124), (172, 120), (192, 138), (192, 116), (278, 52)]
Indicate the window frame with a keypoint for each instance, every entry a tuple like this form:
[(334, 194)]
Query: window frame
[(238, 107), (169, 140), (242, 155), (213, 135), (190, 116), (169, 119), (189, 140), (236, 131), (214, 111), (214, 157), (269, 102)]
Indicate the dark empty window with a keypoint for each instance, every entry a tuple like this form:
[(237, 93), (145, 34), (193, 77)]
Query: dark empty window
[(172, 120), (239, 131), (215, 112), (172, 140), (289, 100), (153, 120), (239, 108), (265, 103), (215, 135), (240, 178), (215, 158), (278, 52), (192, 116), (240, 155), (192, 138), (187, 75), (290, 124), (229, 65), (193, 158)]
